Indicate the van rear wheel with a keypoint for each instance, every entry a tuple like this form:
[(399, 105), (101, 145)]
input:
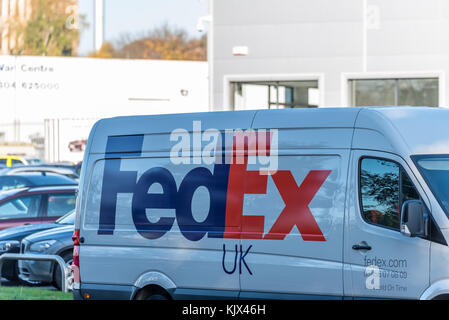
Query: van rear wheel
[(156, 297), (152, 293)]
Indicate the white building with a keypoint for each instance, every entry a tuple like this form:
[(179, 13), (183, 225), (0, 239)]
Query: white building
[(329, 53), (59, 99)]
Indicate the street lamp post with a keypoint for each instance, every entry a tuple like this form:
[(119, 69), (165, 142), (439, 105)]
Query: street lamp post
[(371, 21), (210, 50), (99, 24)]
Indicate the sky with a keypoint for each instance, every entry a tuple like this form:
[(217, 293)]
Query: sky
[(137, 16)]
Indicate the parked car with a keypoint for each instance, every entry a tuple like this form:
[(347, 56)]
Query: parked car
[(10, 241), (35, 205), (76, 168), (56, 241), (33, 161), (11, 161), (43, 169), (32, 179), (77, 146), (14, 160)]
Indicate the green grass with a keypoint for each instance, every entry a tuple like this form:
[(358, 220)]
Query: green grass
[(22, 293)]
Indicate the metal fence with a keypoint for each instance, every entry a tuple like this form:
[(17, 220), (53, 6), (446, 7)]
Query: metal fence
[(39, 257)]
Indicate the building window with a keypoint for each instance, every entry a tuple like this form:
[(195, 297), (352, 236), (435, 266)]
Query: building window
[(394, 92), (275, 94)]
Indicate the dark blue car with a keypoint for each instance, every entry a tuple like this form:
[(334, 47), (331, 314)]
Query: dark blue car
[(32, 179), (10, 241)]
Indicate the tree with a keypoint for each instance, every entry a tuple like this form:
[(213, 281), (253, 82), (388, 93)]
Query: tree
[(161, 43), (48, 31), (107, 50), (380, 192)]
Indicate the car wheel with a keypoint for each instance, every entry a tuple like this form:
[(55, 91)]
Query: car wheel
[(13, 276), (57, 276)]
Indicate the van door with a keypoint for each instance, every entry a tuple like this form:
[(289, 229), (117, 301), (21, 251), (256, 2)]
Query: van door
[(381, 261), (301, 208)]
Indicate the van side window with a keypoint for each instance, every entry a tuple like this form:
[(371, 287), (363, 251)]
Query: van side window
[(408, 190), (385, 186)]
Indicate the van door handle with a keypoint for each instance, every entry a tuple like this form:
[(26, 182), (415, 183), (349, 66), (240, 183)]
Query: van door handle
[(361, 247)]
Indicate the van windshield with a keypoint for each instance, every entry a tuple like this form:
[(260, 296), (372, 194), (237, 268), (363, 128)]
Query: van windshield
[(435, 169)]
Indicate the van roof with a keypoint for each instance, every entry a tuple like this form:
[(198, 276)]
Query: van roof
[(407, 130), (410, 130)]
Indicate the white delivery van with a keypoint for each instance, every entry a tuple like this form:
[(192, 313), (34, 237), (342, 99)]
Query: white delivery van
[(277, 204)]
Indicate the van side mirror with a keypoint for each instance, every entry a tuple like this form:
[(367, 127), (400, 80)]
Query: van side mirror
[(414, 219)]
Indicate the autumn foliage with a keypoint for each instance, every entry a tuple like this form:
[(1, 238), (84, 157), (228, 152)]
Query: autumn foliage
[(45, 31), (162, 43)]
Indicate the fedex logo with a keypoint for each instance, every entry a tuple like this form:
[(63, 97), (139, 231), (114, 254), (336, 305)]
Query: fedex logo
[(227, 185)]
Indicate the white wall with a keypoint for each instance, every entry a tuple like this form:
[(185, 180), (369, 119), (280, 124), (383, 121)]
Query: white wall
[(326, 38), (97, 88), (33, 89)]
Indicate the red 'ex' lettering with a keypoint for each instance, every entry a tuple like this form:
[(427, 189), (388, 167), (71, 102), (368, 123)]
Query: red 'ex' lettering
[(297, 200), (296, 211)]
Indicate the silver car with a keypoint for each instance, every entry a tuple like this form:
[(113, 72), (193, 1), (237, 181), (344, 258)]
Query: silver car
[(57, 241)]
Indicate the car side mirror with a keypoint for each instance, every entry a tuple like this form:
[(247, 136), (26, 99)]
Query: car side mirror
[(414, 219)]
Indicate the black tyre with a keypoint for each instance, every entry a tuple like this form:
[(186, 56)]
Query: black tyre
[(152, 294), (11, 271), (156, 297), (57, 281)]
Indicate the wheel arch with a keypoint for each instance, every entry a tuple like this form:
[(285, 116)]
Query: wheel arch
[(154, 281), (437, 291)]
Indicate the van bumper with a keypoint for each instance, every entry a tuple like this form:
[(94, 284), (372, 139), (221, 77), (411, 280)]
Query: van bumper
[(104, 292)]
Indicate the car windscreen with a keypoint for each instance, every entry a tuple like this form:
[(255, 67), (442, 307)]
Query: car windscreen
[(69, 218), (435, 170)]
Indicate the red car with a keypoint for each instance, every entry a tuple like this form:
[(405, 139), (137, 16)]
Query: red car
[(34, 205), (77, 146)]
